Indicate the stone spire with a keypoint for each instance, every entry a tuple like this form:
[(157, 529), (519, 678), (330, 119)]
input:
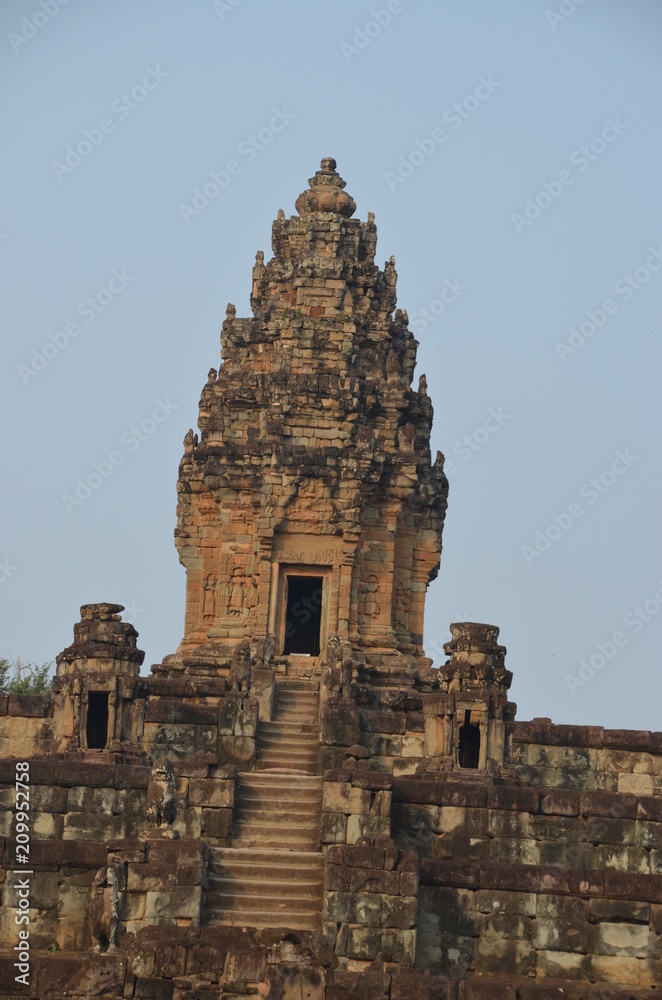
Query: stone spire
[(314, 452), (326, 193)]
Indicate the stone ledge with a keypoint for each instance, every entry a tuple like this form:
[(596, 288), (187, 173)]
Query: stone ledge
[(69, 773), (166, 710), (30, 706), (525, 798), (541, 880), (544, 732)]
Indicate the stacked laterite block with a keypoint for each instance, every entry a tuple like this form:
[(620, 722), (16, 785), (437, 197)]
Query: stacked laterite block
[(295, 804)]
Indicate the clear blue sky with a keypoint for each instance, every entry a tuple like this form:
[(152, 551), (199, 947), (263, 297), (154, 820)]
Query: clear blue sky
[(450, 123)]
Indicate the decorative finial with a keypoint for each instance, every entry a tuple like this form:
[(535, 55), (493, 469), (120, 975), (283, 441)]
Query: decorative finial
[(326, 193)]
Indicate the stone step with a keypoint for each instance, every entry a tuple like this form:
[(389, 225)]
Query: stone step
[(288, 756), (247, 885), (305, 782), (288, 739), (284, 797), (231, 855), (297, 699), (290, 746), (297, 682), (284, 707), (297, 685), (288, 728), (248, 918), (307, 698), (304, 719), (215, 901), (276, 840), (296, 827), (264, 767), (300, 819), (274, 874), (280, 805), (299, 704), (287, 753), (298, 765), (279, 864), (279, 790)]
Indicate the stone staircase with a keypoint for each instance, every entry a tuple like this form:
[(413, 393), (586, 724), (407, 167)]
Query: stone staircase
[(290, 741), (273, 875), (265, 888)]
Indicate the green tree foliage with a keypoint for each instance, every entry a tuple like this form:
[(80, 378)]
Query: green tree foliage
[(17, 677)]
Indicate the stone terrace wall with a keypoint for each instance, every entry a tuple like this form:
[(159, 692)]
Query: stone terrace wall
[(210, 963), (76, 800), (26, 725), (524, 825), (371, 904), (551, 882), (355, 804), (584, 925), (588, 757), (395, 728), (159, 882), (81, 814)]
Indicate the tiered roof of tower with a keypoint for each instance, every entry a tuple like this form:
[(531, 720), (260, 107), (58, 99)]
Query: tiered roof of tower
[(314, 448)]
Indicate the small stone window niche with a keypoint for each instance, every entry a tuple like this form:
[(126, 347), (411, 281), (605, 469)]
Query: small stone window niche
[(468, 751), (96, 728)]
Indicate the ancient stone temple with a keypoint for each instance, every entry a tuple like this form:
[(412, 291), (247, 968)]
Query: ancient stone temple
[(297, 803)]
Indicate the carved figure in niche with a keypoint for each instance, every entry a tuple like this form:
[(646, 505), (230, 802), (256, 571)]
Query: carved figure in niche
[(393, 367), (401, 605), (369, 604), (264, 653), (407, 438), (161, 806), (103, 912), (209, 597), (237, 591), (240, 666)]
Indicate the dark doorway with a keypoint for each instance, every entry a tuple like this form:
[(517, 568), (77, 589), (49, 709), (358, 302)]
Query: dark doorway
[(469, 750), (97, 720), (303, 616)]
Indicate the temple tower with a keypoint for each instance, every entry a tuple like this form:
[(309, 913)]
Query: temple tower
[(309, 505)]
